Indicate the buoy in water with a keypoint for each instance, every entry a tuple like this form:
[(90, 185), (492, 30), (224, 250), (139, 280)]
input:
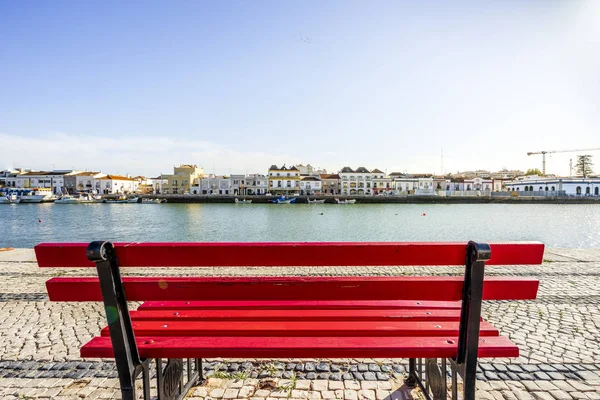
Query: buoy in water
[(320, 213), (39, 220), (424, 214)]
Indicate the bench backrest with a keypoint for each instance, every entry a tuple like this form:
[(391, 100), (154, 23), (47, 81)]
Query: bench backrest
[(445, 288), (288, 254)]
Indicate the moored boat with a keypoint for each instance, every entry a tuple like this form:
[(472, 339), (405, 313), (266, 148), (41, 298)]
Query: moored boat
[(37, 196), (244, 201), (151, 201), (68, 199), (316, 201), (133, 200), (346, 201)]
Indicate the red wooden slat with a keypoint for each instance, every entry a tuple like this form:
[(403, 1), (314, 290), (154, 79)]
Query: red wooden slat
[(287, 254), (301, 347), (300, 304), (292, 288), (301, 328), (291, 315)]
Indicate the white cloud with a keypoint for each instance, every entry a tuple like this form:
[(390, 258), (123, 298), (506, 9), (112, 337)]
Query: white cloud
[(148, 156)]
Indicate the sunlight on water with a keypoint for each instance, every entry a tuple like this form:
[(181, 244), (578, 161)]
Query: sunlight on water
[(555, 225)]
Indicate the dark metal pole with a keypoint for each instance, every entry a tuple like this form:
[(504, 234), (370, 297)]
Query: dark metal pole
[(468, 340), (125, 349)]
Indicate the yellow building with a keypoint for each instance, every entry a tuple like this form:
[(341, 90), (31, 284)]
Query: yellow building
[(284, 180), (182, 179)]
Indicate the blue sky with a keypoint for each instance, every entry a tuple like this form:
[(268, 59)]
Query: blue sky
[(138, 86)]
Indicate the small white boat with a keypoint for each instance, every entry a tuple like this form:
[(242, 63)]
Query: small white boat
[(68, 199), (242, 201), (133, 200), (118, 200), (37, 196), (347, 201), (316, 201), (151, 201)]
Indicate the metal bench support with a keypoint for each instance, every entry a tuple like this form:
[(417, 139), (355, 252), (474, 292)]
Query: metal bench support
[(465, 362), (129, 364)]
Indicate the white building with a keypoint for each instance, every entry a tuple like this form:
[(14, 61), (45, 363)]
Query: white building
[(310, 185), (212, 184), (54, 180), (237, 185), (257, 184), (381, 183), (405, 185), (115, 184), (357, 182), (534, 185), (480, 184)]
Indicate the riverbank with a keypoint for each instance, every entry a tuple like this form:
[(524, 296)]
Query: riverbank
[(175, 198)]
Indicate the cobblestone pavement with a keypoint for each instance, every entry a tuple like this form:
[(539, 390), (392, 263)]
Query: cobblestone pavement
[(558, 335)]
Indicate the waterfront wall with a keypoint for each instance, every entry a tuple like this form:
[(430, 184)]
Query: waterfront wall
[(173, 198)]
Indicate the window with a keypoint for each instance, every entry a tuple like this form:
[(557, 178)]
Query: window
[(174, 182), (552, 188), (541, 188), (531, 188), (587, 190), (596, 192), (578, 190)]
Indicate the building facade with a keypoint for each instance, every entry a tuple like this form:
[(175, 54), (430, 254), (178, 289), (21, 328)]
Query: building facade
[(257, 184), (283, 180), (534, 185), (330, 184), (115, 184), (80, 181), (183, 178), (53, 180), (310, 185), (356, 182)]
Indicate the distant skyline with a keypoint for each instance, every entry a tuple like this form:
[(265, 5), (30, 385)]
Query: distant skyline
[(139, 86)]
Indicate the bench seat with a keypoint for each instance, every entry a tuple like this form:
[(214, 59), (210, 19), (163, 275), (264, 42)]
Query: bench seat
[(301, 347)]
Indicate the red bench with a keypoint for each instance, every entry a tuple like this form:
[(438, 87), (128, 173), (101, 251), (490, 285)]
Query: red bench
[(414, 317)]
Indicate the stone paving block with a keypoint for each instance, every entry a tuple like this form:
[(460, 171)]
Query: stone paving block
[(320, 385), (352, 385), (350, 395), (336, 385), (366, 395), (300, 394)]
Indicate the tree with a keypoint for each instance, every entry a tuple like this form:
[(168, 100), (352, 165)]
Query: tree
[(584, 165), (533, 171)]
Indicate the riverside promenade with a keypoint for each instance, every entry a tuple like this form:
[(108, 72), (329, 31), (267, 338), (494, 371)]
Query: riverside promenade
[(558, 334)]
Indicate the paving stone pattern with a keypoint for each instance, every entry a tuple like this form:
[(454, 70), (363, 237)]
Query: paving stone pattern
[(558, 335)]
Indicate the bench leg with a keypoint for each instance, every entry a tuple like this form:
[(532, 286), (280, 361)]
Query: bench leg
[(411, 380), (470, 317), (170, 384)]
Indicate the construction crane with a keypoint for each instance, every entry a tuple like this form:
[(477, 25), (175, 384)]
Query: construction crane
[(543, 153)]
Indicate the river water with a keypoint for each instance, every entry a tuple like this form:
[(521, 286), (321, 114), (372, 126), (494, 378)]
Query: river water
[(25, 225)]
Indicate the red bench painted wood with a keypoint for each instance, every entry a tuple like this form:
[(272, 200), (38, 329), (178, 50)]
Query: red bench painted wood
[(291, 315), (287, 254), (291, 288), (301, 328), (298, 305), (301, 347)]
